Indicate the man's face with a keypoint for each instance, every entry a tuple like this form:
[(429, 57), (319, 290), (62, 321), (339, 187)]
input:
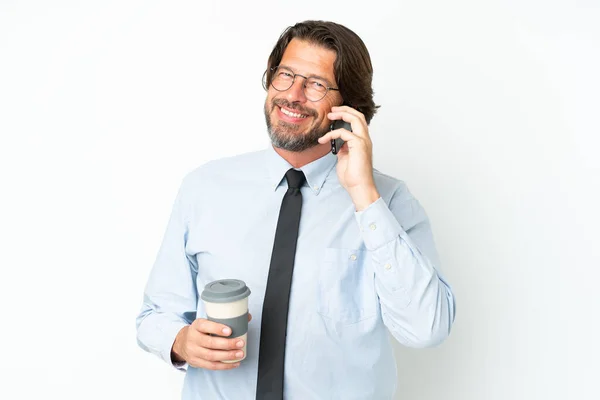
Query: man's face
[(308, 122)]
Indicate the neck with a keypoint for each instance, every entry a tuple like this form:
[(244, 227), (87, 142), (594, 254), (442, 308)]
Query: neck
[(300, 159)]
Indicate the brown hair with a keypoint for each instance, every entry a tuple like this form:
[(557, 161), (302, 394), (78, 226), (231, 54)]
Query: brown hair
[(352, 67)]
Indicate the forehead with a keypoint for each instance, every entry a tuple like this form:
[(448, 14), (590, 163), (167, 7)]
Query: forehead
[(309, 59)]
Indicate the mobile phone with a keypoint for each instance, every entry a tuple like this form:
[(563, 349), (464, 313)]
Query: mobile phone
[(336, 144)]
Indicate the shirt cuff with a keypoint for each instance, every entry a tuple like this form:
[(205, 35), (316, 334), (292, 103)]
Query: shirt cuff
[(378, 225), (169, 333)]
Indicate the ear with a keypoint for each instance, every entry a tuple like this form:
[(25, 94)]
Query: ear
[(264, 80)]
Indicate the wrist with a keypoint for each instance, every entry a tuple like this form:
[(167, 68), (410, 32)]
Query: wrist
[(177, 348), (363, 197)]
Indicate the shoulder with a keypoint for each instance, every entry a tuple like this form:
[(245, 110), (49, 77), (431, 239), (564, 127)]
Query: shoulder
[(240, 164)]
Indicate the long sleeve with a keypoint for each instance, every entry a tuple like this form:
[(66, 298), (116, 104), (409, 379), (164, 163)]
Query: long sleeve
[(417, 304), (170, 296)]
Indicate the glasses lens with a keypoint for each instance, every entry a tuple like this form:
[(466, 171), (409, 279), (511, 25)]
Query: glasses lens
[(315, 89), (282, 79)]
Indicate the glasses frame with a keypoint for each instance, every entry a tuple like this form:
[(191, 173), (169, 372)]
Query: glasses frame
[(294, 75)]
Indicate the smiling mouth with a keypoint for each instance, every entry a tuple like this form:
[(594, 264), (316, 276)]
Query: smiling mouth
[(292, 114)]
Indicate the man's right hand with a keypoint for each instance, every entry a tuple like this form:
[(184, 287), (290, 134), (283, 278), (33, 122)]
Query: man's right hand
[(195, 346)]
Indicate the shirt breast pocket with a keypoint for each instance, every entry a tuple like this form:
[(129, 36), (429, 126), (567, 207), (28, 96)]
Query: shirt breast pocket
[(346, 286)]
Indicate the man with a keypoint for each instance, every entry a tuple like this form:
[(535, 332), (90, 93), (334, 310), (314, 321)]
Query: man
[(364, 260)]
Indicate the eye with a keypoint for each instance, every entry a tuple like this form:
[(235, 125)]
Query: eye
[(320, 86)]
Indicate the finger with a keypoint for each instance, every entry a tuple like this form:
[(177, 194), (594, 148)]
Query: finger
[(345, 134), (213, 365), (219, 355), (346, 116), (359, 128), (349, 110), (249, 317), (219, 343), (206, 326)]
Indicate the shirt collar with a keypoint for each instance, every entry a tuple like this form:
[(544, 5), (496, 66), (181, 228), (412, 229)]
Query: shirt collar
[(316, 172)]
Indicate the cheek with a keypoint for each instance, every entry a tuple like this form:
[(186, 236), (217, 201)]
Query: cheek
[(269, 102), (270, 96), (323, 111)]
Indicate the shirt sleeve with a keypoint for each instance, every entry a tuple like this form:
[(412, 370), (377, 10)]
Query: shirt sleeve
[(170, 295), (417, 304)]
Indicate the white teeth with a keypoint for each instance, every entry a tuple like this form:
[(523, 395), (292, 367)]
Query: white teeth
[(291, 114)]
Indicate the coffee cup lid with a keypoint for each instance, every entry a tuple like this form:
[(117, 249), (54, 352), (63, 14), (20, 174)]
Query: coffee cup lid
[(225, 291)]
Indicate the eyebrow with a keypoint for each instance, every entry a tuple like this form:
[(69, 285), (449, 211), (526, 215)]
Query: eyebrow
[(310, 76)]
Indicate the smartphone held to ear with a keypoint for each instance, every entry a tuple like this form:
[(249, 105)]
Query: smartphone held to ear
[(336, 144)]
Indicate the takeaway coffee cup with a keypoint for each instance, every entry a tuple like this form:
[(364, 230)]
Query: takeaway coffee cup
[(226, 302)]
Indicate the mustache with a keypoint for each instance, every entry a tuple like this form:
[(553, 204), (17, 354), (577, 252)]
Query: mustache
[(296, 107)]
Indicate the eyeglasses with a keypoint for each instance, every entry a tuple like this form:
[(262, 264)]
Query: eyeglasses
[(283, 78)]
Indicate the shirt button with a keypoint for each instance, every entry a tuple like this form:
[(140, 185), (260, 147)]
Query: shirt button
[(353, 257), (316, 188), (388, 266), (373, 227)]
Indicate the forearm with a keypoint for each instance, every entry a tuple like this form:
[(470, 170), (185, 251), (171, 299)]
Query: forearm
[(177, 349), (157, 332), (170, 297), (417, 305)]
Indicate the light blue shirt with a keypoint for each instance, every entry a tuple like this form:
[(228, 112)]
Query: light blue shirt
[(357, 275)]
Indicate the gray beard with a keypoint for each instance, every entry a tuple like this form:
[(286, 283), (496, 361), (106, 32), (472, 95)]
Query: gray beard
[(283, 137)]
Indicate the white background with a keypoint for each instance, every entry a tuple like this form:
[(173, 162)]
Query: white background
[(489, 113)]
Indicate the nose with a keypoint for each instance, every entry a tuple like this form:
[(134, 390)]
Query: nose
[(296, 92)]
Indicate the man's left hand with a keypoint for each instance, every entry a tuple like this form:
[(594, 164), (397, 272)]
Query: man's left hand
[(355, 157)]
